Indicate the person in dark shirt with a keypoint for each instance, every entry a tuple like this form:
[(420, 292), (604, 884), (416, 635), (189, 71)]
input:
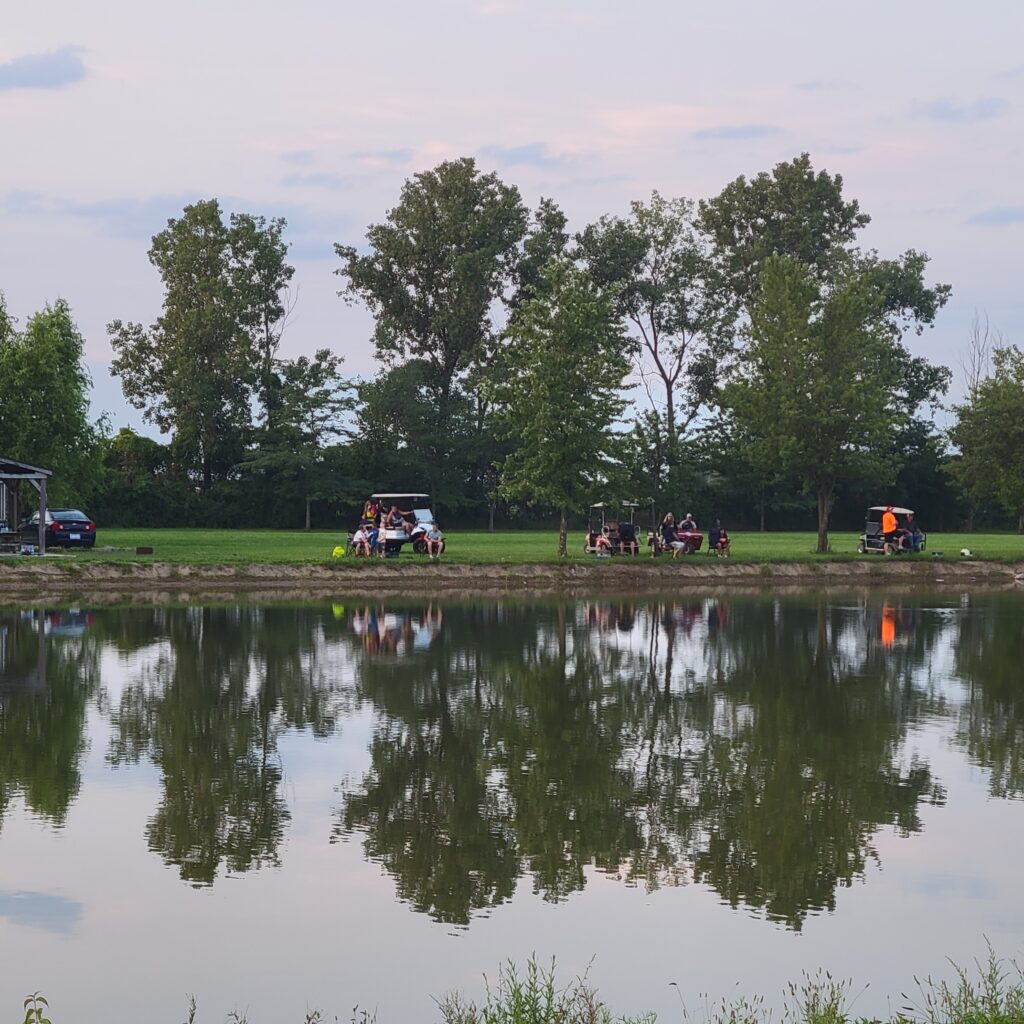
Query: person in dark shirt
[(914, 534), (627, 539)]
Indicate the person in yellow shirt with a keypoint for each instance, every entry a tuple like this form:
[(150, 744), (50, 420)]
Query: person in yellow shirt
[(890, 530)]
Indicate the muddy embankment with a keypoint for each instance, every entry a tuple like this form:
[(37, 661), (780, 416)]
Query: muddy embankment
[(34, 580)]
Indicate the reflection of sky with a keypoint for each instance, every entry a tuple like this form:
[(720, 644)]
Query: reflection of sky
[(44, 910), (93, 906)]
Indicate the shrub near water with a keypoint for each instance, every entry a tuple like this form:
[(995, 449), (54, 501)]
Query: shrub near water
[(994, 996), (534, 999)]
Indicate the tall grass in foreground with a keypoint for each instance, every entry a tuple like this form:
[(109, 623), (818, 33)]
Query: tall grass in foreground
[(533, 999), (990, 993)]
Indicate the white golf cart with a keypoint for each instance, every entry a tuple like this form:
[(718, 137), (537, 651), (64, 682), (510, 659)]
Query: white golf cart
[(417, 517)]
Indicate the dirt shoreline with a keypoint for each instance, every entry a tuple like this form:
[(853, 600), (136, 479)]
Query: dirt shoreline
[(34, 580)]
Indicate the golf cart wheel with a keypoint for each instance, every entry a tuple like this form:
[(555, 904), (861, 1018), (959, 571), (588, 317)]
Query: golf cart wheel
[(419, 547), (861, 549)]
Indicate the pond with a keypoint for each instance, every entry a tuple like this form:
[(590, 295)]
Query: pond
[(280, 807)]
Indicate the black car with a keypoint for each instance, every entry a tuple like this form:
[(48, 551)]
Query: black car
[(65, 528)]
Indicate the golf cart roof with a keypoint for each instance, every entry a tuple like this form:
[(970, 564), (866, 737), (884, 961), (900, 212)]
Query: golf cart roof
[(899, 511), (400, 494)]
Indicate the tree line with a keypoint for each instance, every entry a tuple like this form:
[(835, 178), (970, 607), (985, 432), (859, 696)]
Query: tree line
[(743, 354)]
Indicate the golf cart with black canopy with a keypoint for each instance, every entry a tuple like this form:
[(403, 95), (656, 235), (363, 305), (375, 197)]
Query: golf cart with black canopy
[(872, 540)]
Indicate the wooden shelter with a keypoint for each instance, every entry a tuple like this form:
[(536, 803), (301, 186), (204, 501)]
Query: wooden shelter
[(12, 475)]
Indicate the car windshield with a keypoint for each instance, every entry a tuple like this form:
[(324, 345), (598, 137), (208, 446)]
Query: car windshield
[(69, 513)]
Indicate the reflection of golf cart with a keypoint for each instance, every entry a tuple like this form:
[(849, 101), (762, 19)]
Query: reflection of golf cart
[(612, 529), (416, 513), (872, 540)]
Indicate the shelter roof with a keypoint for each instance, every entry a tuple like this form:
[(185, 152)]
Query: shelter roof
[(899, 511), (11, 469)]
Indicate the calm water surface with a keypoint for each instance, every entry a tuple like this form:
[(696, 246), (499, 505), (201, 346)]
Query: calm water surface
[(278, 807)]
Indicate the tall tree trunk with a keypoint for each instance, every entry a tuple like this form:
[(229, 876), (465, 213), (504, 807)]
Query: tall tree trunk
[(490, 519), (671, 453), (824, 500), (563, 529), (1020, 520), (207, 472), (762, 508), (308, 502)]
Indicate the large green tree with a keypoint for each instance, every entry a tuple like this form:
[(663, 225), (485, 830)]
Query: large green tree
[(818, 389), (790, 211), (989, 433), (260, 274), (560, 388), (669, 290), (436, 265), (193, 371), (310, 401), (44, 404)]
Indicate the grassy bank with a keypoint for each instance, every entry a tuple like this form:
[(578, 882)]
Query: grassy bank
[(991, 991), (233, 547)]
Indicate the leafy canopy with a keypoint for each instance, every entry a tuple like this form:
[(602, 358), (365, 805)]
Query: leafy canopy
[(434, 267), (561, 390), (818, 389)]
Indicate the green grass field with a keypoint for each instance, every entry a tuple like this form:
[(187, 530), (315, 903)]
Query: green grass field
[(208, 547)]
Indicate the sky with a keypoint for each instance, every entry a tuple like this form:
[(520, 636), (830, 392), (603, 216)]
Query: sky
[(114, 115)]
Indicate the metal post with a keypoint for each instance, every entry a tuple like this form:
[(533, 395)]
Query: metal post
[(42, 516)]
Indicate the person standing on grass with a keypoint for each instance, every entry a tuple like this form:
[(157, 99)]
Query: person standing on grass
[(890, 531), (376, 544), (435, 541)]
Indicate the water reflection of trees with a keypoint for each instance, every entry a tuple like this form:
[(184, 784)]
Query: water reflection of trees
[(46, 685), (653, 743), (208, 709), (756, 746), (989, 659)]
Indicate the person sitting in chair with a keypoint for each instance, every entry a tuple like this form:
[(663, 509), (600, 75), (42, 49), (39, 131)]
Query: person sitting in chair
[(361, 543), (724, 543), (689, 523), (713, 536), (915, 535), (627, 539), (668, 531), (602, 545)]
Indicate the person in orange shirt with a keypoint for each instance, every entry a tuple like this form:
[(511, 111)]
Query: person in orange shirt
[(890, 530)]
